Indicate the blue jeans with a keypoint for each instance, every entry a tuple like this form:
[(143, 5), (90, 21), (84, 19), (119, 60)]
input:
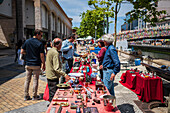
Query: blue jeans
[(107, 82)]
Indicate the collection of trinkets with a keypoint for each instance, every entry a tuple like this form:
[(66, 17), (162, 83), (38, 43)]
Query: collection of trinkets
[(143, 74), (79, 96)]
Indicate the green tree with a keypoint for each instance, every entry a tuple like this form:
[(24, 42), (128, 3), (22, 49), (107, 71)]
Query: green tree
[(106, 7), (145, 8), (90, 19)]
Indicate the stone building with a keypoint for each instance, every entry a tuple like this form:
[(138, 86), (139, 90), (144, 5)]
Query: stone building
[(19, 18)]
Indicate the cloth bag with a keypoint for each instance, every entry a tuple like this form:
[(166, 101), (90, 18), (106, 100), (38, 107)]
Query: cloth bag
[(46, 93), (20, 57)]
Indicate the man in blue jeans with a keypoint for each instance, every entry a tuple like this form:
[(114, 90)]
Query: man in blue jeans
[(68, 51), (34, 51), (111, 63)]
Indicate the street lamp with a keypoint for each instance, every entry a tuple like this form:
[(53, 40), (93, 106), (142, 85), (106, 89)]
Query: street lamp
[(95, 32)]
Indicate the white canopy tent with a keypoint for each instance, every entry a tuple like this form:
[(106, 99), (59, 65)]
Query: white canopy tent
[(89, 38), (81, 39)]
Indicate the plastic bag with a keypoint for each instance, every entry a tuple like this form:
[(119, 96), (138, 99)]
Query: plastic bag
[(46, 93)]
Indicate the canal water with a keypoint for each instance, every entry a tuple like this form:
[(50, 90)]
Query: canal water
[(156, 55)]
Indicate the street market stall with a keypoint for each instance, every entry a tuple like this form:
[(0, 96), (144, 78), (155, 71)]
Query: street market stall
[(84, 93), (148, 87)]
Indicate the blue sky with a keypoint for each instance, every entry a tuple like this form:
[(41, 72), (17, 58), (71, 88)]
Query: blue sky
[(73, 8)]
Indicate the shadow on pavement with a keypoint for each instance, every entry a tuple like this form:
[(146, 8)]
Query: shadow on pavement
[(126, 108), (115, 84), (10, 71)]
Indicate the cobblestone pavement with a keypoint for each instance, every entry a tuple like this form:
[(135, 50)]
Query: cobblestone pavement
[(125, 97), (12, 94), (12, 78)]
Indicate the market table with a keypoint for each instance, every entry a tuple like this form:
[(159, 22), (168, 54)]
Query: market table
[(72, 99), (147, 89)]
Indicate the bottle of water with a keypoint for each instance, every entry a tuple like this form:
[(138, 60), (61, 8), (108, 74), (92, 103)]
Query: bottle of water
[(154, 74), (151, 75)]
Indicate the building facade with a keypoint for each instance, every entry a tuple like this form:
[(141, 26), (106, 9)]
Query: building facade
[(19, 19), (141, 24), (162, 5)]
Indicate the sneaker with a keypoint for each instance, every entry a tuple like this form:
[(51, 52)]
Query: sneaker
[(36, 97), (27, 98)]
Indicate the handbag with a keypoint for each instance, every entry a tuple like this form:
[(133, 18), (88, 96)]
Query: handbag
[(46, 93), (22, 56)]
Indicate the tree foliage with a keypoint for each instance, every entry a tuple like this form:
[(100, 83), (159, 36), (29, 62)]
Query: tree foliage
[(110, 8), (146, 9), (142, 8), (90, 19)]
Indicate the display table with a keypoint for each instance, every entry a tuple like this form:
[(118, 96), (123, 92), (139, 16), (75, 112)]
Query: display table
[(147, 89), (73, 98)]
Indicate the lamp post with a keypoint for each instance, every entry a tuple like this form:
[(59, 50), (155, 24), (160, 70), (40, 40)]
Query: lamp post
[(95, 32)]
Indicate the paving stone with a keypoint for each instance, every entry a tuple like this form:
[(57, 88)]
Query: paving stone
[(12, 94)]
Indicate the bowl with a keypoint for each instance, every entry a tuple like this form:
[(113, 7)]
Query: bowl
[(76, 68)]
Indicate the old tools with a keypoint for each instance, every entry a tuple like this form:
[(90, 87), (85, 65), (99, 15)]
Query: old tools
[(59, 110), (61, 103), (96, 100), (73, 106), (99, 85), (60, 99), (64, 97), (65, 93), (72, 92)]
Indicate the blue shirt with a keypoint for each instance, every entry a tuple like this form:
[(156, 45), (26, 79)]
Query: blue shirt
[(33, 48), (66, 51), (111, 59)]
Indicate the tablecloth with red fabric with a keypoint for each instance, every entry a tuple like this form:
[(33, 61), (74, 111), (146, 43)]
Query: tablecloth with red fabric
[(147, 89), (89, 73), (100, 106)]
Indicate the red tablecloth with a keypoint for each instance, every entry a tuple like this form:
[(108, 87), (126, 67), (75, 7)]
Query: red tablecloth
[(100, 106), (89, 73), (147, 89)]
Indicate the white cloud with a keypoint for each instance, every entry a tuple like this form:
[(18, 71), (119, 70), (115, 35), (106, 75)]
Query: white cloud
[(76, 19), (124, 9)]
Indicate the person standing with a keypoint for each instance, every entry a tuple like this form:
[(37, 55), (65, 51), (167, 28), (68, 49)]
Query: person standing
[(100, 56), (17, 47), (69, 51), (53, 67), (111, 63), (34, 51)]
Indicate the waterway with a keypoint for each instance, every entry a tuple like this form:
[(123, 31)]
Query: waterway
[(156, 55), (156, 52)]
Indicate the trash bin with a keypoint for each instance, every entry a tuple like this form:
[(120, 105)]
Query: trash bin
[(137, 62)]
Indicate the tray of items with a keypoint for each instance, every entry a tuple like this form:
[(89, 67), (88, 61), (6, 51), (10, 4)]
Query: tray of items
[(83, 98)]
